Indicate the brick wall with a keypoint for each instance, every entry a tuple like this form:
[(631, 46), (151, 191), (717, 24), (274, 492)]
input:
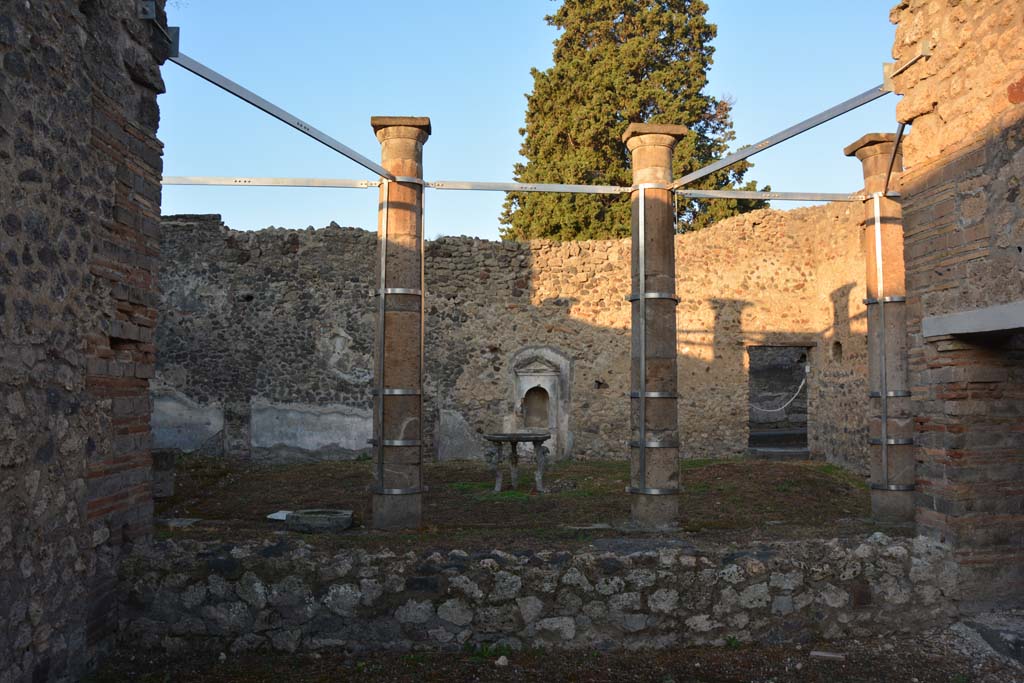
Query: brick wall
[(79, 171), (964, 249)]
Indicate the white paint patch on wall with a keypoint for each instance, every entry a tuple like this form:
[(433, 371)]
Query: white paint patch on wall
[(180, 423), (312, 428)]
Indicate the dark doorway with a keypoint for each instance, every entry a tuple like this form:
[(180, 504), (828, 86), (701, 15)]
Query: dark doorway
[(778, 402)]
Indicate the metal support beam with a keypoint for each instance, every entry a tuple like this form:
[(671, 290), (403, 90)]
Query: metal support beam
[(805, 125), (783, 196), (255, 100), (267, 182), (892, 157), (527, 187), (246, 181)]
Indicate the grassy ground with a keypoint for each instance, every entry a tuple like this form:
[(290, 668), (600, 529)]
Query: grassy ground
[(732, 500), (721, 500)]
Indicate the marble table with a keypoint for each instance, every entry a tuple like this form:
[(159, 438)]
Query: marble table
[(514, 439)]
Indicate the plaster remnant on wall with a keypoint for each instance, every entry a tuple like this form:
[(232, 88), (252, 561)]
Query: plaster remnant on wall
[(180, 423), (342, 359), (456, 438), (297, 431)]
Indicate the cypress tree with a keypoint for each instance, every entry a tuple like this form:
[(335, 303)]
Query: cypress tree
[(618, 62)]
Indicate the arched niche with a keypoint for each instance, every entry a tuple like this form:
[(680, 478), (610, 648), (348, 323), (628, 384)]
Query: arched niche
[(541, 379)]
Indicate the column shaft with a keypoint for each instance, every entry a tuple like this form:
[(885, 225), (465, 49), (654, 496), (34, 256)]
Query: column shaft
[(654, 415), (398, 405), (891, 423)]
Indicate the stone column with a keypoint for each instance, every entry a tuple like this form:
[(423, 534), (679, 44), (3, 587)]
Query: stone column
[(398, 422), (654, 420), (887, 336)]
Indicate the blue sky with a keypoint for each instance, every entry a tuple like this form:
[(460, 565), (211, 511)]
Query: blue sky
[(466, 65)]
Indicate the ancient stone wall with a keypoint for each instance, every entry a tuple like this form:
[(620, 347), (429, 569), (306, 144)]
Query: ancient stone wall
[(80, 168), (964, 248), (263, 332), (289, 596), (266, 337)]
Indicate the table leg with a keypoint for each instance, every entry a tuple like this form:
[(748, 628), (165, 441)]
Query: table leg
[(513, 463), (540, 455), (497, 468)]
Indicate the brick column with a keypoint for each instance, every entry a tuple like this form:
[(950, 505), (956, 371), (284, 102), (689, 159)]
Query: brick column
[(398, 423), (654, 418), (887, 336)]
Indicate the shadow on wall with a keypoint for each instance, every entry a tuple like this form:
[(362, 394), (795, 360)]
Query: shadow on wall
[(269, 337)]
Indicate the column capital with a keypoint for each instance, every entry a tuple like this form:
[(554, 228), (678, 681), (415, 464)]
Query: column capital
[(409, 127), (874, 151), (870, 145), (652, 134)]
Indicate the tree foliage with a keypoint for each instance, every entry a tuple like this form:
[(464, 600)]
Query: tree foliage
[(618, 62)]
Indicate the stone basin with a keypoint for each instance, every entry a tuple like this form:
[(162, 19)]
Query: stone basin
[(319, 521)]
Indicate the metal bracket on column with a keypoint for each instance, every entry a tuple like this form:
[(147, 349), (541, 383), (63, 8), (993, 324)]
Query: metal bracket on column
[(890, 70), (409, 179), (902, 393), (886, 300), (891, 441), (146, 9), (398, 443), (651, 492), (653, 295), (401, 290), (400, 492), (654, 394), (893, 487)]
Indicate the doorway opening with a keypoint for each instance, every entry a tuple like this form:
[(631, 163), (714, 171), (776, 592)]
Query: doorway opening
[(778, 402)]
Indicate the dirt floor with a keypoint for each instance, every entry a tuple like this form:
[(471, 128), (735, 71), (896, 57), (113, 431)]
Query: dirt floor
[(946, 656), (723, 500)]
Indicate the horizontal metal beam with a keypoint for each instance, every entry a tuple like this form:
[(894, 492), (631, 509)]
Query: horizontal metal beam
[(785, 196), (266, 182), (234, 181), (255, 100), (527, 187), (805, 125)]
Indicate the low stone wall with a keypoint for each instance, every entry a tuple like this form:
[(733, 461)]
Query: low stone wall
[(630, 593)]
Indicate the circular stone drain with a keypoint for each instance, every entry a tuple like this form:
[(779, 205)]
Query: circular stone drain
[(318, 521)]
